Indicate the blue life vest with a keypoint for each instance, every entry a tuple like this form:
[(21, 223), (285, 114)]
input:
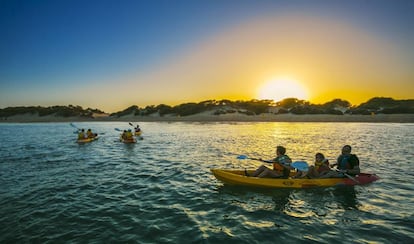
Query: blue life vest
[(344, 163)]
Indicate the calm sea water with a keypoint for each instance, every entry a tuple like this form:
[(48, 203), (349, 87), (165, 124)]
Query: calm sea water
[(161, 190)]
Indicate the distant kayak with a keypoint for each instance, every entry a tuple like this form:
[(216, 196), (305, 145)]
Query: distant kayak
[(237, 177), (86, 140)]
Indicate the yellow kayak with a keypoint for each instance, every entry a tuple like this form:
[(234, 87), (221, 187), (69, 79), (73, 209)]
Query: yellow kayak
[(237, 177), (128, 141), (138, 133), (86, 140)]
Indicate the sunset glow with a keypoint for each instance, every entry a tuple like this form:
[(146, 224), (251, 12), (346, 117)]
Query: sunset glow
[(310, 50), (279, 89)]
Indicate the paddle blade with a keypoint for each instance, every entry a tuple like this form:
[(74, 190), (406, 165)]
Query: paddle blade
[(300, 165), (71, 124), (117, 129), (242, 157)]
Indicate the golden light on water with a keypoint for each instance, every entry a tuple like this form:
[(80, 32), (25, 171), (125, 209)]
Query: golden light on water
[(281, 88)]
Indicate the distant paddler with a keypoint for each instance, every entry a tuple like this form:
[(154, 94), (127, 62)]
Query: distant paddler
[(137, 130), (81, 134), (89, 134), (129, 135)]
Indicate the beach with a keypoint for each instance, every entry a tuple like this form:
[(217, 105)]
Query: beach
[(209, 117)]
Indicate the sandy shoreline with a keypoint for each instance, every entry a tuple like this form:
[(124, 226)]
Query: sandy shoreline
[(378, 118)]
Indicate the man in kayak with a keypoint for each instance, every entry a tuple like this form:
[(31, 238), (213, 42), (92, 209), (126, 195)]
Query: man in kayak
[(347, 164), (281, 166)]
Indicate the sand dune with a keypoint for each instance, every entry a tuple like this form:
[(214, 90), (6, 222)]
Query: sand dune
[(209, 117)]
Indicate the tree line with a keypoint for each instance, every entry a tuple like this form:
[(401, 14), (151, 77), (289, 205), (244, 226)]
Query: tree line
[(374, 105), (289, 105), (59, 111)]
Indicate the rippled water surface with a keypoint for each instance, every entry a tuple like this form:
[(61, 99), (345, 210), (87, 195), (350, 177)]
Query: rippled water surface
[(161, 190)]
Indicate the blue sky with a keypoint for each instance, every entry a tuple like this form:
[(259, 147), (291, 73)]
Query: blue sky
[(113, 54)]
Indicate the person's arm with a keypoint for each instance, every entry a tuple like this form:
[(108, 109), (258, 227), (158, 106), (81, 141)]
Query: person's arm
[(266, 161)]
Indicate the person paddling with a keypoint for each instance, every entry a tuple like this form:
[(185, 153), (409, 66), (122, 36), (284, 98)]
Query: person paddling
[(128, 135), (123, 135), (137, 130), (347, 164), (81, 134), (90, 134), (281, 166)]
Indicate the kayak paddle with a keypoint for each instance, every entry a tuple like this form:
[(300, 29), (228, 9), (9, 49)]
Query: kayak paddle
[(74, 126), (347, 175), (133, 125), (299, 165), (257, 159)]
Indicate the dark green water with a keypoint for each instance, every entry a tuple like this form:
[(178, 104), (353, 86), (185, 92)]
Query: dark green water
[(161, 190)]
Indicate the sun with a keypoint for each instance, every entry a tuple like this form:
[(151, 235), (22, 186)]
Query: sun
[(279, 89)]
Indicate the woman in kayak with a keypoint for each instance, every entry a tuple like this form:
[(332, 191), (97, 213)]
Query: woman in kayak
[(281, 166)]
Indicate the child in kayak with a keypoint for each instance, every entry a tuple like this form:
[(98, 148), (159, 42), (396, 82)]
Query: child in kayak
[(318, 170)]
